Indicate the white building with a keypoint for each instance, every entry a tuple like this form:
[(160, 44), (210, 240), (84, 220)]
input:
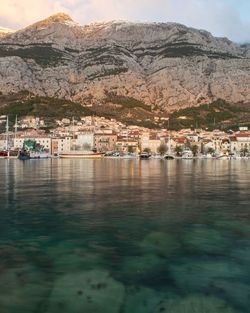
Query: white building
[(43, 141), (85, 140)]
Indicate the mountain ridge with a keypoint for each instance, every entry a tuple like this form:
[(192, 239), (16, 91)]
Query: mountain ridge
[(167, 66)]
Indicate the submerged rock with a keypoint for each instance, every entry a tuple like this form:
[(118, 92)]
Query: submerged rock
[(233, 227), (83, 260), (90, 292), (142, 300), (143, 266), (202, 239), (194, 304), (202, 276), (242, 255), (22, 290), (160, 243), (235, 292)]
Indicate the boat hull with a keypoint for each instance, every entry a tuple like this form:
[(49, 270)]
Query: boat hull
[(23, 157), (81, 156)]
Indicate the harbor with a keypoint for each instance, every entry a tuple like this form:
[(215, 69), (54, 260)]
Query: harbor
[(97, 137)]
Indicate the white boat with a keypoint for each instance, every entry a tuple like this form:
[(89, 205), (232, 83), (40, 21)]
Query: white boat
[(145, 156), (169, 157), (158, 157), (128, 156), (187, 155), (39, 155), (81, 155)]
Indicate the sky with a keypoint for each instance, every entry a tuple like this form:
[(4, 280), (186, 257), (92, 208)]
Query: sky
[(223, 18)]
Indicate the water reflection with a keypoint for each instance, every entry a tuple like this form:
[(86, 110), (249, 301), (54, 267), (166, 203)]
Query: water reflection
[(165, 235)]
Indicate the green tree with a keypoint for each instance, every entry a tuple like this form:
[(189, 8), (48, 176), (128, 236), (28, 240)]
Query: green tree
[(194, 149), (178, 150), (244, 151), (162, 149), (147, 150), (210, 150), (130, 149)]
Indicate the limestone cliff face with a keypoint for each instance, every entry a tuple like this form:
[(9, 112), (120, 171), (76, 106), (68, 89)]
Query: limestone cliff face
[(164, 65)]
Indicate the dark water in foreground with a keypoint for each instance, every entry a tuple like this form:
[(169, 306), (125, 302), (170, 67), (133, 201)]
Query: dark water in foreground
[(122, 236)]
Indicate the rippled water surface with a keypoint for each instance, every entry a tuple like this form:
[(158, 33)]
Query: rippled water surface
[(124, 236)]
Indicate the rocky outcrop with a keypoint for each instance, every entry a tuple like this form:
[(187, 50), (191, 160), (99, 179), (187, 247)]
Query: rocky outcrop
[(167, 66)]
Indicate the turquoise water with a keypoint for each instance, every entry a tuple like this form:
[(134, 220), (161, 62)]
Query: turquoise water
[(124, 236)]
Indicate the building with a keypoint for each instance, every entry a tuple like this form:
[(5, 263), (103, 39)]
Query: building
[(104, 142), (45, 142), (85, 141), (127, 145), (60, 145), (150, 142)]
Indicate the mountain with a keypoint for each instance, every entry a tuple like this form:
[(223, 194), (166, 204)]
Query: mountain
[(166, 66), (4, 31)]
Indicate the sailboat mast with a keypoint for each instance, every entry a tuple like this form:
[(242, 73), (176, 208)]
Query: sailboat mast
[(73, 132), (169, 145), (15, 126), (7, 133)]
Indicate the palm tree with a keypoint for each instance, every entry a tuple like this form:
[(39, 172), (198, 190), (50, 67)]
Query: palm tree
[(244, 151), (147, 150), (210, 150), (130, 149), (195, 149), (178, 150)]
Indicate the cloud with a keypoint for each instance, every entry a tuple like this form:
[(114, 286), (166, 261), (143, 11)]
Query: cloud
[(228, 18)]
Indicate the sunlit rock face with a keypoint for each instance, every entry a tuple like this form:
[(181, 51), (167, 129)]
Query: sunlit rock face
[(168, 66)]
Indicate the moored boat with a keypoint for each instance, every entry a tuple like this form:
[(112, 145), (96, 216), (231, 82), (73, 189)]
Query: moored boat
[(11, 154), (32, 150), (169, 157), (23, 155), (187, 154), (145, 156), (81, 155)]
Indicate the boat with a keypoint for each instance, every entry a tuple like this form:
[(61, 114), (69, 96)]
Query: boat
[(157, 156), (169, 157), (128, 156), (224, 157), (81, 155), (32, 150), (39, 155), (11, 154), (24, 155), (145, 156), (187, 155)]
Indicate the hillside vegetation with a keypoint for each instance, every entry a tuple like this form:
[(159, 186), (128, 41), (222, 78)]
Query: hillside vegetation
[(219, 114)]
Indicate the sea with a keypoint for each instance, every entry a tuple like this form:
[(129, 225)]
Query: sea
[(124, 236)]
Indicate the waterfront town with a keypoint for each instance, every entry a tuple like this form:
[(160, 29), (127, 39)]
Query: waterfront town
[(99, 134)]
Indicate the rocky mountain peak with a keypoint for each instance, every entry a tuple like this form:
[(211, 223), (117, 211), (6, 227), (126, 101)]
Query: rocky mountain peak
[(56, 18), (5, 31), (163, 65)]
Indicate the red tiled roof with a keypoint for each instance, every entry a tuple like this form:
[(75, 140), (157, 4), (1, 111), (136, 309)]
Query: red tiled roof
[(242, 135)]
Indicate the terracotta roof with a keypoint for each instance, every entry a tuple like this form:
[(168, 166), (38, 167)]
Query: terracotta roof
[(242, 135)]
